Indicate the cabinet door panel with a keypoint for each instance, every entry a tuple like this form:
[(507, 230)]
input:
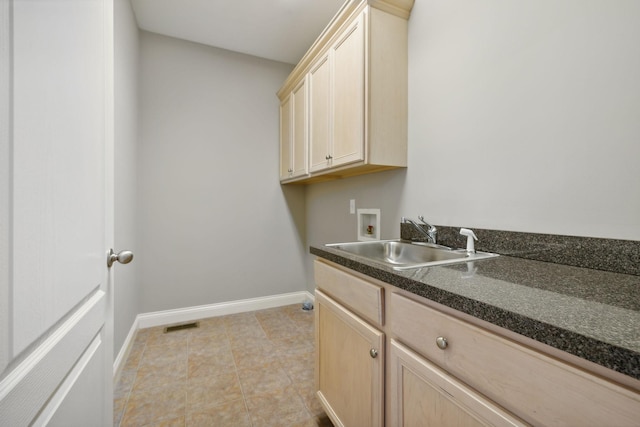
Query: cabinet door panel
[(424, 395), (319, 119), (299, 143), (348, 92), (285, 138), (350, 380)]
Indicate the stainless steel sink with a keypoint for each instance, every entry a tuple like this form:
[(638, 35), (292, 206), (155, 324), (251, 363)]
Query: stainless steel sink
[(403, 255)]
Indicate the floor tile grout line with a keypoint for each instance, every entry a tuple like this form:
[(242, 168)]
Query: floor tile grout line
[(130, 388), (187, 382), (236, 369), (291, 378)]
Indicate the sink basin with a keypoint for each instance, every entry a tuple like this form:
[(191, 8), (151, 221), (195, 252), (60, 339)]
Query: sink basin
[(403, 255)]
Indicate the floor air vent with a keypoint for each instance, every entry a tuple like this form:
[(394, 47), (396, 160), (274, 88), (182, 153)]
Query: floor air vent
[(181, 327)]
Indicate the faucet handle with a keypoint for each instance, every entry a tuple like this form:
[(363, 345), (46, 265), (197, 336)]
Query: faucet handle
[(421, 218)]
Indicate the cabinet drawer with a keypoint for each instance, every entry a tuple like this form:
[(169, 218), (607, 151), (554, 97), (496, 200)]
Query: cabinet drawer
[(423, 394), (539, 389), (360, 296)]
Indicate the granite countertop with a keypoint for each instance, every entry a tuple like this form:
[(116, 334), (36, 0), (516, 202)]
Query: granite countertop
[(589, 313)]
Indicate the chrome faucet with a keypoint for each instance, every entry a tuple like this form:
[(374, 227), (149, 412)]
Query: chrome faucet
[(430, 233)]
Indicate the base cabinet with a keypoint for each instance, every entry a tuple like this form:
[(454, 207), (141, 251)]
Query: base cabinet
[(421, 394), (440, 370), (350, 365), (537, 388)]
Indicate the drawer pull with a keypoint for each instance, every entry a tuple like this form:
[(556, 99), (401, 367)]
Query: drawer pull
[(373, 353), (442, 343)]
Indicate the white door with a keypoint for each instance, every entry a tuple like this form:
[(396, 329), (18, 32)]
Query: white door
[(56, 219)]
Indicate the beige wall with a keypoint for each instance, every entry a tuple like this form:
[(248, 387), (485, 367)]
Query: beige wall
[(215, 225), (523, 116), (126, 289)]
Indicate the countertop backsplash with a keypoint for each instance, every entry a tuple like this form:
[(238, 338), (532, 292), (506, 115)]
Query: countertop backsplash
[(618, 256)]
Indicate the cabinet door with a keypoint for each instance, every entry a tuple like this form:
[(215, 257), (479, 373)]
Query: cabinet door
[(349, 365), (300, 131), (348, 95), (422, 394), (285, 139), (319, 117)]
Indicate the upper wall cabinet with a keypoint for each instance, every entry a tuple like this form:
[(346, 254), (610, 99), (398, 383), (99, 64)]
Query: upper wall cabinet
[(343, 109), (293, 133)]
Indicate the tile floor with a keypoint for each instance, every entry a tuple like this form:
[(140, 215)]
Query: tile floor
[(250, 369)]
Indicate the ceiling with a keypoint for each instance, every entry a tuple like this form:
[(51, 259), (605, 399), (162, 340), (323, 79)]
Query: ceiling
[(280, 30)]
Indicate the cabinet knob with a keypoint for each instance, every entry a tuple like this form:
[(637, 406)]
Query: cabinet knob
[(442, 343), (373, 353)]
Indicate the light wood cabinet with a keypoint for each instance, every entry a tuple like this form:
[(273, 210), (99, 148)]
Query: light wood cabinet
[(357, 104), (539, 389), (337, 102), (319, 119), (286, 138), (478, 377), (350, 365), (293, 133), (360, 296), (422, 394)]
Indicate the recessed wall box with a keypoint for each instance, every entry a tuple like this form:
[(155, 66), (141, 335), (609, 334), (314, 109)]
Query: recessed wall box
[(368, 224)]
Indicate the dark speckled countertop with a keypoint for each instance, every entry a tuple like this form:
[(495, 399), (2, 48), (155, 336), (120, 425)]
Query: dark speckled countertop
[(589, 313)]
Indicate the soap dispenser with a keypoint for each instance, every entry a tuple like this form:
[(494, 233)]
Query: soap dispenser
[(470, 240)]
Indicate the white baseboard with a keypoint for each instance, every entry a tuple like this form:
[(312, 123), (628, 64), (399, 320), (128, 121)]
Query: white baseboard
[(118, 363), (168, 317), (181, 315)]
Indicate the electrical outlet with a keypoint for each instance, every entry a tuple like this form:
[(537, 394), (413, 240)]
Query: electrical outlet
[(352, 206)]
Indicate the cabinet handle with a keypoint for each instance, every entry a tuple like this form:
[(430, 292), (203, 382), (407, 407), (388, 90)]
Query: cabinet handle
[(373, 353), (442, 343)]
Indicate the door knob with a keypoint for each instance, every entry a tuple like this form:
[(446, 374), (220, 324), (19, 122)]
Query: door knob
[(123, 257)]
